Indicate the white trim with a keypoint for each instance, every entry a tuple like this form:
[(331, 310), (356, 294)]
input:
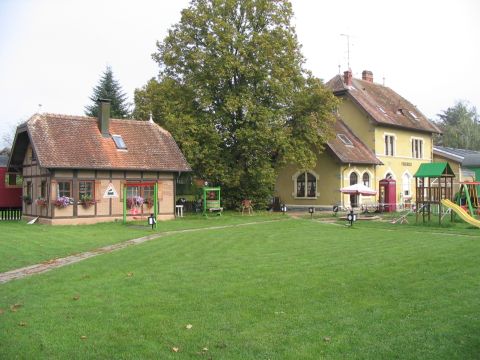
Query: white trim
[(394, 144), (394, 177), (294, 179), (412, 138), (370, 175)]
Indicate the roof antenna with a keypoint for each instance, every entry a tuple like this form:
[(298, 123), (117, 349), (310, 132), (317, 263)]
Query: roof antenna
[(151, 118), (383, 81), (39, 108), (348, 49)]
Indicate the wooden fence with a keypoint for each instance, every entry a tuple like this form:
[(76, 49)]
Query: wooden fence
[(10, 214)]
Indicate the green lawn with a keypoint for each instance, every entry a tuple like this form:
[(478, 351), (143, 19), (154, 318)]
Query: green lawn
[(22, 245), (294, 289)]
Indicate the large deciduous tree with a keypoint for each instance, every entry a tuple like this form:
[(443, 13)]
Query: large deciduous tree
[(460, 127), (233, 91), (109, 88)]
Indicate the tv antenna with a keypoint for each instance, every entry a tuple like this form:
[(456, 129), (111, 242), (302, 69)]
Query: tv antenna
[(348, 49)]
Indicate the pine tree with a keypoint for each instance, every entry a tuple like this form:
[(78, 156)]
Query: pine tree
[(109, 88)]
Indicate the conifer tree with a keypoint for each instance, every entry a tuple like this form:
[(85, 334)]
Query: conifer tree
[(109, 88)]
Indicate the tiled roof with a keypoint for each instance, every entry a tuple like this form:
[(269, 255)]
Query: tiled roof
[(75, 142), (356, 153), (384, 105)]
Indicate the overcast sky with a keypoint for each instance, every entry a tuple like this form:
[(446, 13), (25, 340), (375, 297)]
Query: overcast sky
[(53, 52)]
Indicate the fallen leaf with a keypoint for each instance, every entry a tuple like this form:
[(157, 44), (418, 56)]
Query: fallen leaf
[(327, 338), (76, 297), (130, 274), (189, 326), (15, 307), (175, 349), (205, 349), (83, 337), (22, 323)]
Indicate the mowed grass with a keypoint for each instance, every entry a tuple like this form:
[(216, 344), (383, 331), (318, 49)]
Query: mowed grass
[(22, 245), (292, 289)]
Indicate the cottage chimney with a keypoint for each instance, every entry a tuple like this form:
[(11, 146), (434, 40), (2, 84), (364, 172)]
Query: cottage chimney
[(104, 116), (367, 76), (347, 77)]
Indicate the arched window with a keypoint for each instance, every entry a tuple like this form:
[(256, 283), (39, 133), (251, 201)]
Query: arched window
[(353, 178), (389, 176), (306, 186), (406, 178), (366, 179)]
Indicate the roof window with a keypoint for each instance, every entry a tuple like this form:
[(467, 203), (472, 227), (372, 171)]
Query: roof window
[(345, 139), (119, 143)]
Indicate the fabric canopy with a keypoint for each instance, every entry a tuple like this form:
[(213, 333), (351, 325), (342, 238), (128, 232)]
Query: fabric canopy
[(358, 189)]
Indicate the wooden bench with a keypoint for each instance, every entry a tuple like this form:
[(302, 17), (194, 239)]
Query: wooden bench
[(216, 210)]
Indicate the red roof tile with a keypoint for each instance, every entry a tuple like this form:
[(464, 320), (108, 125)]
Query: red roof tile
[(356, 153), (384, 105), (75, 142)]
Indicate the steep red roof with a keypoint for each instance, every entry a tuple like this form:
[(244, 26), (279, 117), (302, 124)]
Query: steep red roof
[(348, 148), (384, 105), (75, 142)]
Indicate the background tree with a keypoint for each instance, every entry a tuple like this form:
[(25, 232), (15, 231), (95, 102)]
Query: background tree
[(460, 127), (109, 88), (234, 94)]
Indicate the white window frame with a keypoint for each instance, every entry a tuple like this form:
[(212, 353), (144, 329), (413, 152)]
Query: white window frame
[(390, 146), (417, 151), (295, 177)]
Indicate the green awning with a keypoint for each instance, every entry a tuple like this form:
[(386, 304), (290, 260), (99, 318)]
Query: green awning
[(434, 170)]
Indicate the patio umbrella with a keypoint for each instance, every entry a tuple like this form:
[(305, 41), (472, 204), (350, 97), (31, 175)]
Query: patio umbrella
[(358, 189)]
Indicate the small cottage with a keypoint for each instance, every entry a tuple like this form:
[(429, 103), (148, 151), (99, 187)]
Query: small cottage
[(75, 168)]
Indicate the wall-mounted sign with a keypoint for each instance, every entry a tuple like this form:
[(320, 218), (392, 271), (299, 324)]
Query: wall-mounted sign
[(110, 192)]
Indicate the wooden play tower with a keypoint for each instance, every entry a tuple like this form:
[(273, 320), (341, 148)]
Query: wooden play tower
[(433, 183)]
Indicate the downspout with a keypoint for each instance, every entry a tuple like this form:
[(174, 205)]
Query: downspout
[(341, 184)]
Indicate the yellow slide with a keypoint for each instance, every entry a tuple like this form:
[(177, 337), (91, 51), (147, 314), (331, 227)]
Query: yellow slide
[(461, 212)]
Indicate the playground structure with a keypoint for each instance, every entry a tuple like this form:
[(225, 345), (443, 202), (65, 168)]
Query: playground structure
[(433, 183), (211, 200), (460, 211), (141, 185)]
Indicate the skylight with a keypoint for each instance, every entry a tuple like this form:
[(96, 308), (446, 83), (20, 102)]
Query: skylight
[(345, 139), (119, 142), (413, 115)]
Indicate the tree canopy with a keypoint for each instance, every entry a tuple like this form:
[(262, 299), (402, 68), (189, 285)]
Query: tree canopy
[(109, 88), (233, 91), (460, 127)]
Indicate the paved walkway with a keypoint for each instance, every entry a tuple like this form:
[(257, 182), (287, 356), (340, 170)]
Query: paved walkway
[(56, 263)]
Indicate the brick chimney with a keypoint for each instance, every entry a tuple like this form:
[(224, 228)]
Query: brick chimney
[(367, 76), (347, 77), (104, 116)]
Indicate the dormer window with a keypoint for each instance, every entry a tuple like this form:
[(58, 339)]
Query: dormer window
[(119, 143), (345, 139)]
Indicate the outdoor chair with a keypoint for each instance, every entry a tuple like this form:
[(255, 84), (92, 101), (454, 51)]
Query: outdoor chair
[(247, 205)]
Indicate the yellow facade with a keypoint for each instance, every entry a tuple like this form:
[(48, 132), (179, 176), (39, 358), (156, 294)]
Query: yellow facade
[(401, 156)]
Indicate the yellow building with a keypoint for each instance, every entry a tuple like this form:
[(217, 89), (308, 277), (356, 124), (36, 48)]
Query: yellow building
[(389, 138)]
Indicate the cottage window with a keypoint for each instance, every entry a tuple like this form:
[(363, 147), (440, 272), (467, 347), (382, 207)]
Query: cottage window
[(133, 191), (306, 185), (43, 189), (119, 143), (86, 189), (29, 189), (389, 145), (64, 189), (366, 179), (148, 192), (417, 148)]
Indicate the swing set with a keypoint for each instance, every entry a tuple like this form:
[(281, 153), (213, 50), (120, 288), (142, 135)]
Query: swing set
[(141, 184)]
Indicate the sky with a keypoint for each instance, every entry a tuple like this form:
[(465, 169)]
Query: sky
[(53, 52)]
